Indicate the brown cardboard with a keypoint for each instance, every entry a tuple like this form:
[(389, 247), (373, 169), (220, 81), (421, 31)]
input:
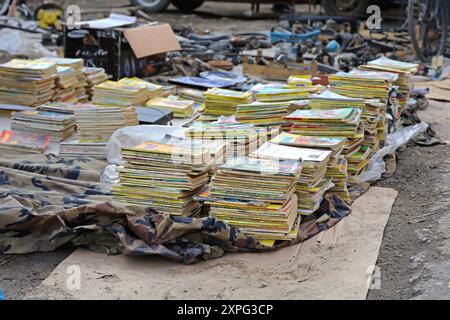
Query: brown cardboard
[(152, 39)]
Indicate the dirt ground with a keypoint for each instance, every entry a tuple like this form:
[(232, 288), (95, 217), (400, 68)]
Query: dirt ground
[(415, 255)]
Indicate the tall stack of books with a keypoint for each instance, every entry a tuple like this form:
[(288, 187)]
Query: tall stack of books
[(57, 126), (257, 196), (403, 70), (153, 90), (312, 183), (334, 180), (27, 82), (222, 102), (163, 176), (371, 109), (276, 92), (263, 113), (93, 76), (241, 138), (343, 123), (113, 93), (369, 85), (98, 123), (70, 83), (23, 142), (181, 108)]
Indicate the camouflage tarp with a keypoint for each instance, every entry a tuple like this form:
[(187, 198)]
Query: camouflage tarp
[(46, 202)]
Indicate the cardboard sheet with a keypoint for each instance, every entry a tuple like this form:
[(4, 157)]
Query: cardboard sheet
[(439, 90), (152, 39), (332, 265)]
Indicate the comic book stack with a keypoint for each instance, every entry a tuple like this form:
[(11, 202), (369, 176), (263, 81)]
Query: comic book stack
[(70, 84), (23, 142), (263, 113), (57, 126), (113, 93), (222, 102), (369, 85), (312, 183), (371, 111), (241, 138), (343, 123), (276, 92), (98, 123), (337, 165), (94, 76), (153, 90), (257, 196), (27, 82), (181, 108), (83, 148), (163, 176), (404, 70)]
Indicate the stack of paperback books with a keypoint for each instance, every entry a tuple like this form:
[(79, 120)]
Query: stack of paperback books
[(241, 139), (93, 76), (27, 82), (263, 113), (113, 93), (180, 108), (99, 122), (83, 148), (257, 196), (334, 180), (343, 123), (276, 92), (222, 102), (70, 83), (311, 184), (153, 90), (163, 176), (371, 109), (404, 70), (57, 126), (23, 142)]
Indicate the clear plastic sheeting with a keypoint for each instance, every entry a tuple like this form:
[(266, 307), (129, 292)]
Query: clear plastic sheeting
[(127, 138), (132, 136), (17, 42), (394, 140)]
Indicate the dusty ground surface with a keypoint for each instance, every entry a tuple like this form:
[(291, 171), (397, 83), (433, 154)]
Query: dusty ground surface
[(415, 255)]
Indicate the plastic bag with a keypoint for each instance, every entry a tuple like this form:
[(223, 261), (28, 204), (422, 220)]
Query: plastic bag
[(132, 136), (17, 42), (394, 140)]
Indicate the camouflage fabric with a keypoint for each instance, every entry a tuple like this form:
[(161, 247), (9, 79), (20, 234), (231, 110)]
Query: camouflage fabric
[(46, 202)]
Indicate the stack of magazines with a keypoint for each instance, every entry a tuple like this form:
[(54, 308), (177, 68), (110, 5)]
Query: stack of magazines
[(83, 148), (113, 93), (180, 108), (99, 122), (163, 176), (263, 113), (93, 76), (153, 90), (274, 92), (222, 102), (23, 142), (27, 82), (57, 126), (257, 196), (311, 184)]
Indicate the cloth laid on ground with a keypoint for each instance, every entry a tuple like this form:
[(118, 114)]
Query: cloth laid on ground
[(46, 202)]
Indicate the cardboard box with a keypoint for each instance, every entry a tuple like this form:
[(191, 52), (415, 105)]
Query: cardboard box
[(151, 40)]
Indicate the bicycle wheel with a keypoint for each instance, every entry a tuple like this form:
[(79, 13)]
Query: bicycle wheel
[(428, 23)]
